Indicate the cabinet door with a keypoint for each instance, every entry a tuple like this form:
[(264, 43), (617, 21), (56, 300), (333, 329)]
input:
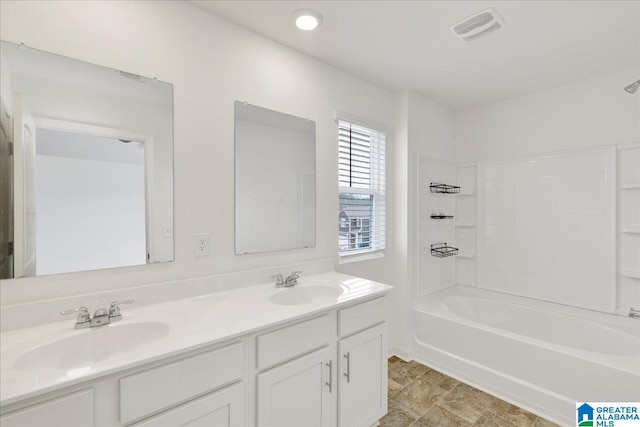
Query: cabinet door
[(362, 394), (223, 408), (298, 393)]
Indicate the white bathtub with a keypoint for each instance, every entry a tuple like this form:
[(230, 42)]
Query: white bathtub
[(541, 356)]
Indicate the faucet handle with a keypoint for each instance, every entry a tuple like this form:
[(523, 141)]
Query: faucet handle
[(279, 279), (83, 314), (296, 274), (114, 309)]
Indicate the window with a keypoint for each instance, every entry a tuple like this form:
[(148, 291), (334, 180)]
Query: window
[(361, 175)]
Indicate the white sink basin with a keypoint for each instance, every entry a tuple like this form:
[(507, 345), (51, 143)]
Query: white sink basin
[(306, 295), (84, 348)]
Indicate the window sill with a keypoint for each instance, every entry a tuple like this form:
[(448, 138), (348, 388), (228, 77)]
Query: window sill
[(360, 257)]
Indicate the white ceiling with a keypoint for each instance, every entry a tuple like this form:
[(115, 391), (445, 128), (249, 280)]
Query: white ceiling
[(408, 44)]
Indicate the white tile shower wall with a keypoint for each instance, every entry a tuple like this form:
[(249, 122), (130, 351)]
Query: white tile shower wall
[(466, 225), (434, 273), (628, 228), (546, 227)]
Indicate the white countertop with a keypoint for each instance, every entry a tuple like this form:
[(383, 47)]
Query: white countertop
[(193, 323)]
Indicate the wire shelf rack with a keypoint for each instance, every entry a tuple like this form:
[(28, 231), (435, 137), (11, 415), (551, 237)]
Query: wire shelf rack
[(436, 187), (442, 250)]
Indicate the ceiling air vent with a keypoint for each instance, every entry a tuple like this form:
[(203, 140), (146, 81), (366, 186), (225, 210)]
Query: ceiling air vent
[(478, 25)]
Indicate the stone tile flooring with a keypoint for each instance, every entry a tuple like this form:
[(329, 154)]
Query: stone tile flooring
[(423, 397)]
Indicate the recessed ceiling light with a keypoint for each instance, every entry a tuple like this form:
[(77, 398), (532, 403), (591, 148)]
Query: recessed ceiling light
[(307, 19)]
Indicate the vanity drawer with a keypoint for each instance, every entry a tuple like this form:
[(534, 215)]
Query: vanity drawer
[(74, 409), (153, 390), (362, 316), (291, 341)]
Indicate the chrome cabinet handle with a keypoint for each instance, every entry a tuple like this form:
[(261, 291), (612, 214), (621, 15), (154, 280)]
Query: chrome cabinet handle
[(348, 373), (330, 383)]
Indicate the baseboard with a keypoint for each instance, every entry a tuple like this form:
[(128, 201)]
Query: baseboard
[(400, 353), (543, 403)]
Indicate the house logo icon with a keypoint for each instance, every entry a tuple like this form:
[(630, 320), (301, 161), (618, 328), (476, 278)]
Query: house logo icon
[(585, 415)]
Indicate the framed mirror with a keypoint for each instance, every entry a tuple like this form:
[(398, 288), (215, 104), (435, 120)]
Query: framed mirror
[(87, 166), (275, 180)]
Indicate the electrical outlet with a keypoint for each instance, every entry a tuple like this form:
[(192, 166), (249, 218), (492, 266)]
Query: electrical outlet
[(201, 245)]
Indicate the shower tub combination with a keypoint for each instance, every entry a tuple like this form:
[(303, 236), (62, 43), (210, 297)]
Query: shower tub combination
[(541, 356)]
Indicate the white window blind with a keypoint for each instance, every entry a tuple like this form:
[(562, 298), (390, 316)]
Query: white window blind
[(361, 176)]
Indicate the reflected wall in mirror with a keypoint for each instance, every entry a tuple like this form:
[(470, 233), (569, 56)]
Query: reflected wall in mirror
[(87, 166), (275, 180)]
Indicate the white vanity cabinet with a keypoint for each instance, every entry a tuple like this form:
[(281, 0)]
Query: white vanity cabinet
[(297, 393), (74, 409), (362, 361), (202, 387), (363, 377), (328, 369), (153, 390), (223, 408), (339, 377)]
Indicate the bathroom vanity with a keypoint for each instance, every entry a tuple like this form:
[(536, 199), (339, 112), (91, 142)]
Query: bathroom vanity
[(310, 355)]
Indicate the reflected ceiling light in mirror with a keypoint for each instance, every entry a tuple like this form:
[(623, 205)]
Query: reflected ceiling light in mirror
[(307, 19)]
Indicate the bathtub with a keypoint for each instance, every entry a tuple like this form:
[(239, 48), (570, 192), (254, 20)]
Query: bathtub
[(541, 356)]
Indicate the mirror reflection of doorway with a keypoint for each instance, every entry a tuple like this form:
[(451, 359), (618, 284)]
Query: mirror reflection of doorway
[(90, 202)]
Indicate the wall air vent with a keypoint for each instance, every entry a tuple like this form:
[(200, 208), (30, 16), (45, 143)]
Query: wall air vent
[(478, 25)]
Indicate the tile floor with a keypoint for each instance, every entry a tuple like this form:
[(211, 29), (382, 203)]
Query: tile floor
[(420, 396)]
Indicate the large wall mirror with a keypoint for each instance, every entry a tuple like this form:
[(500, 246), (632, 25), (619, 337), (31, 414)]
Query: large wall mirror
[(86, 156), (275, 180)]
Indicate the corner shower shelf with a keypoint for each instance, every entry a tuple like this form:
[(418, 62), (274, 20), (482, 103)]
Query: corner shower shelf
[(465, 224), (630, 273), (436, 187), (442, 250), (631, 186), (441, 216), (632, 229)]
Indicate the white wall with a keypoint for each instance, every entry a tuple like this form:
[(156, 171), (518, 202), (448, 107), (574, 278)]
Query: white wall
[(430, 128), (211, 63), (587, 113), (422, 127)]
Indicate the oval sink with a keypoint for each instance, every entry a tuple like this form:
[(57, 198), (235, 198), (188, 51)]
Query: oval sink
[(306, 295), (88, 346)]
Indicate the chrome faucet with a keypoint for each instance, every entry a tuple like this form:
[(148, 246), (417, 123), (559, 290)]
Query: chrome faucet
[(634, 313), (279, 280), (101, 316), (292, 279)]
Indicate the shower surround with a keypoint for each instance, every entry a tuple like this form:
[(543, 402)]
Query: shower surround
[(549, 250)]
